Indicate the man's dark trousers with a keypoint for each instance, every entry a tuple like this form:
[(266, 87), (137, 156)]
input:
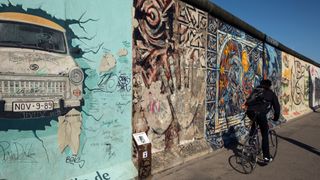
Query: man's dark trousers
[(261, 119)]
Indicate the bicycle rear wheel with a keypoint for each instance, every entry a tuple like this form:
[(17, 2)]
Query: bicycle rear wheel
[(273, 143)]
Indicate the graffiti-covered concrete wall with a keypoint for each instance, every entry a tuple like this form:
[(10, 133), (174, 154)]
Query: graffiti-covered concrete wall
[(273, 68), (314, 87), (295, 86), (237, 70), (65, 90), (169, 64), (77, 78), (181, 52)]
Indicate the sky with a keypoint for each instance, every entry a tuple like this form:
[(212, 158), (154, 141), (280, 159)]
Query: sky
[(294, 23)]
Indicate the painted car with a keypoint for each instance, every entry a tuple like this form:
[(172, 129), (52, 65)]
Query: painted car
[(38, 76)]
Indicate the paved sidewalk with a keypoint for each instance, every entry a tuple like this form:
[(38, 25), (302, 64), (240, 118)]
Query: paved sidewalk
[(298, 158)]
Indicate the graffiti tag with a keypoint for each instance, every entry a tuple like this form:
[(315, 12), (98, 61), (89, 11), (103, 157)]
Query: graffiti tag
[(16, 152), (111, 82), (75, 160)]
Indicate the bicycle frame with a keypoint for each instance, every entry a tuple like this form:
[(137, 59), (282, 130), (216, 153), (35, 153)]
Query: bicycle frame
[(251, 148)]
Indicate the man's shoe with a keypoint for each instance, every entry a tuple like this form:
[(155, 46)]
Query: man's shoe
[(267, 160)]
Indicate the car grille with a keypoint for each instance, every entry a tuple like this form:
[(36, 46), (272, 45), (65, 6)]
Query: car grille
[(32, 88)]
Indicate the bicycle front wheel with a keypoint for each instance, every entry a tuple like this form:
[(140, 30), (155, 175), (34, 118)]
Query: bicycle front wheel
[(273, 143)]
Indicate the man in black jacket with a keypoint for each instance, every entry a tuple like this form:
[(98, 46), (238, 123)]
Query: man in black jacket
[(258, 112)]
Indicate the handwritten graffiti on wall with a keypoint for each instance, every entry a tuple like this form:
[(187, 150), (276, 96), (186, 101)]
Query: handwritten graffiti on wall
[(111, 82), (168, 69), (12, 151), (75, 160)]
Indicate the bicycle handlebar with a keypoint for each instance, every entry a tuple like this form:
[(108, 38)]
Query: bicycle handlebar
[(270, 120)]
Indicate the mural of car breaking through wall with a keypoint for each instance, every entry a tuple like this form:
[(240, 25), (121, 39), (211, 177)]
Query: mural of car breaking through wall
[(54, 56), (168, 69), (190, 67)]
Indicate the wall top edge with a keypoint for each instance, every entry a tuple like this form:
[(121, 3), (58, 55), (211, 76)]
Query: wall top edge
[(229, 18)]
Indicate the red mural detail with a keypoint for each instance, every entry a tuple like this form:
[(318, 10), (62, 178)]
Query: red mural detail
[(153, 39), (153, 105)]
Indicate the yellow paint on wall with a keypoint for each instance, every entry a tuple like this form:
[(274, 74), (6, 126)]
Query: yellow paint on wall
[(287, 74), (245, 62), (226, 51), (30, 19), (222, 70)]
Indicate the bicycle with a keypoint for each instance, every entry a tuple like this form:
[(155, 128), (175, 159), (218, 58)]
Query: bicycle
[(251, 152)]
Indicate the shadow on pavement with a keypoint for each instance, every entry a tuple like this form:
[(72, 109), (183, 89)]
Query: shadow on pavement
[(316, 110), (301, 145)]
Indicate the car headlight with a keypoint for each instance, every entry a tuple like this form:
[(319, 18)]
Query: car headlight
[(76, 76)]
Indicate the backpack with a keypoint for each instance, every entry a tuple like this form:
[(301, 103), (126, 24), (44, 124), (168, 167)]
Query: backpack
[(257, 102)]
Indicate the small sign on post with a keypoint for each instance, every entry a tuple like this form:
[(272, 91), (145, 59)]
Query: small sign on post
[(143, 146)]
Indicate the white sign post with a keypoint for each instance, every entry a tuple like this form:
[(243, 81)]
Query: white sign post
[(143, 145)]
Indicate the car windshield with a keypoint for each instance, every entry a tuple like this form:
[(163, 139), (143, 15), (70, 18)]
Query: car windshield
[(22, 35)]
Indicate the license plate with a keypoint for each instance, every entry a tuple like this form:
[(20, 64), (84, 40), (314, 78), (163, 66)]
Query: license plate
[(32, 106)]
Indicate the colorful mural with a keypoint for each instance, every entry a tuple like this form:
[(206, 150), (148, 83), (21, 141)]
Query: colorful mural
[(65, 91), (239, 69), (295, 86), (286, 100), (273, 68)]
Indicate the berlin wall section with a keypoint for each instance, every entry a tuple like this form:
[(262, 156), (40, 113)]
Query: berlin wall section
[(79, 78), (193, 71), (66, 111)]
